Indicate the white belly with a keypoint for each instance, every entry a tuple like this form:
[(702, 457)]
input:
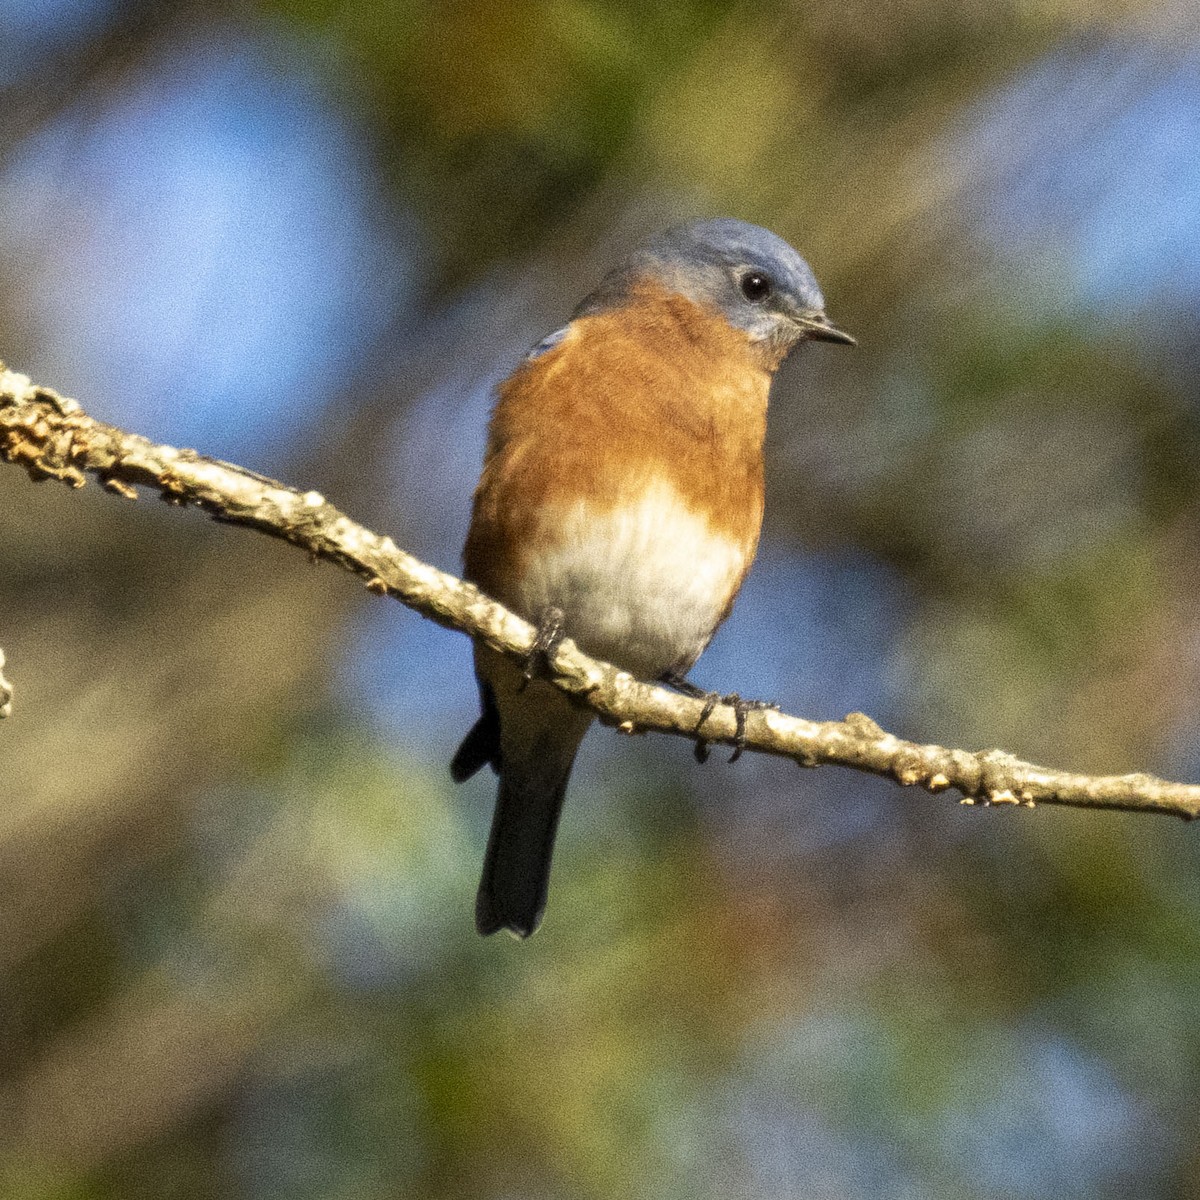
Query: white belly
[(643, 585)]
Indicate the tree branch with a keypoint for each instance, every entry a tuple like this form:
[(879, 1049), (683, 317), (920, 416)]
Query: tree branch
[(6, 692), (53, 438)]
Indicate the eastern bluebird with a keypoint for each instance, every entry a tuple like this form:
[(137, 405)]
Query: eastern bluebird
[(620, 505)]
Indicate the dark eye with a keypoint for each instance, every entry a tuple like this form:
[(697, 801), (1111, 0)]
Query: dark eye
[(756, 287)]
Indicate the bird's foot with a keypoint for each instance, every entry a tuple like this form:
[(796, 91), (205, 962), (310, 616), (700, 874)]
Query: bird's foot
[(551, 632), (740, 707)]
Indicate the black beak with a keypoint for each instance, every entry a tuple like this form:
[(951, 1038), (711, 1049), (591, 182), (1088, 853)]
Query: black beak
[(819, 328)]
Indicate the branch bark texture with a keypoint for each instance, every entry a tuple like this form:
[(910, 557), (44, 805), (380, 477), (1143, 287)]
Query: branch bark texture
[(51, 437), (6, 692)]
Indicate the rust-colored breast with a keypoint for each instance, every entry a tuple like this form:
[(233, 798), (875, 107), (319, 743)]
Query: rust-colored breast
[(659, 390)]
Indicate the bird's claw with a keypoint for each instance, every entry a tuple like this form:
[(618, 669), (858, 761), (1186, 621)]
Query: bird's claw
[(740, 709), (711, 700), (551, 632)]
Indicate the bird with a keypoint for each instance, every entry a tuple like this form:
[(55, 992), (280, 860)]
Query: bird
[(620, 504)]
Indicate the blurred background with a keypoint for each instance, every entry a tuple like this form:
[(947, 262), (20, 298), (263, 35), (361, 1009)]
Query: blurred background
[(236, 885)]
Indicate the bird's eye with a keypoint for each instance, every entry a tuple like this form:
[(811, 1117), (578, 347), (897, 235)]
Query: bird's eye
[(756, 287)]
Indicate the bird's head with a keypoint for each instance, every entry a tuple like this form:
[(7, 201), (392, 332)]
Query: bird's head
[(747, 273)]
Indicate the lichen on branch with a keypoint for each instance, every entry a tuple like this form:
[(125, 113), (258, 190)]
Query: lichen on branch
[(6, 692), (51, 437)]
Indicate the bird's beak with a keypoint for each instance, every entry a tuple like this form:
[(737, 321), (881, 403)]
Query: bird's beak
[(819, 328)]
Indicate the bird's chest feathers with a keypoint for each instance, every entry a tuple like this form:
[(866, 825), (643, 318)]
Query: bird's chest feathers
[(623, 481), (643, 582)]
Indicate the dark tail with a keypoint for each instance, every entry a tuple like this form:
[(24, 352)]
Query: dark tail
[(482, 744), (529, 735), (516, 868)]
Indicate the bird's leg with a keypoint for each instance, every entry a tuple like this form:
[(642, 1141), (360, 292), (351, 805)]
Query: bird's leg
[(673, 679), (683, 685), (551, 631)]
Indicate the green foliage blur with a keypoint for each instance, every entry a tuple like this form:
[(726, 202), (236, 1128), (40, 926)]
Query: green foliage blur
[(236, 883)]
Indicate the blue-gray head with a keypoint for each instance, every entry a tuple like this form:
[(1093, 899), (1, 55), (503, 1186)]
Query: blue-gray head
[(751, 275)]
